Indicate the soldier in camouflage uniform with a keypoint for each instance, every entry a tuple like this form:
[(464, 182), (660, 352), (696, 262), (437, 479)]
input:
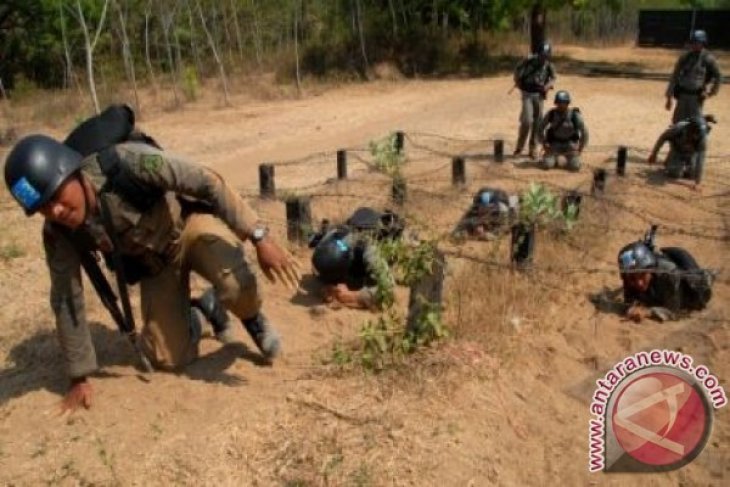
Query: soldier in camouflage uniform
[(164, 241), (534, 76), (563, 133), (696, 76), (688, 144)]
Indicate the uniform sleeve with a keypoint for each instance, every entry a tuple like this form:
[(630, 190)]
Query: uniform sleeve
[(380, 271), (552, 77), (67, 302), (715, 77), (675, 75), (664, 137), (173, 173), (583, 129), (518, 72)]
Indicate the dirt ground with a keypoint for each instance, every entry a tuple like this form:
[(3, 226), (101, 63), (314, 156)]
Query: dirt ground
[(505, 401)]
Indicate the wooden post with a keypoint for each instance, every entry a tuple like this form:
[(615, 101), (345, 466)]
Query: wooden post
[(341, 164), (599, 181), (267, 188), (399, 141), (523, 245), (426, 293), (499, 150), (621, 161), (572, 198), (458, 171), (298, 219), (399, 190)]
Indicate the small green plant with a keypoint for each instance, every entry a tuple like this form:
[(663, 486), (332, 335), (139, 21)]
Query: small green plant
[(540, 207), (385, 340), (388, 159), (11, 251), (191, 84)]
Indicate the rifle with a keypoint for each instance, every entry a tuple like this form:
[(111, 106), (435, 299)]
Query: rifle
[(109, 300), (650, 237)]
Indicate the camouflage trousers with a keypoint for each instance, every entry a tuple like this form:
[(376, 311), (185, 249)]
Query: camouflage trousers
[(209, 248), (687, 105), (530, 117), (569, 150), (680, 165)]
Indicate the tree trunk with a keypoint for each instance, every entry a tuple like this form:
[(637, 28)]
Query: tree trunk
[(537, 26), (193, 44), (297, 5), (358, 13), (256, 33), (218, 61), (69, 75), (237, 26), (127, 54), (167, 20), (148, 61), (89, 46), (393, 18)]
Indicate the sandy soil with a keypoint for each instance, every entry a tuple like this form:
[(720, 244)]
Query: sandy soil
[(505, 402)]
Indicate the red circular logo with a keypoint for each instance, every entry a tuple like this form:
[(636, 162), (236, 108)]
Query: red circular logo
[(661, 419)]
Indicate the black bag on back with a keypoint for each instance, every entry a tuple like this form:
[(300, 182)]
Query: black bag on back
[(695, 282), (112, 126), (380, 225)]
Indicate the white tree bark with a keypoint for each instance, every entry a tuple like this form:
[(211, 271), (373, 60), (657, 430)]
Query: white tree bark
[(69, 75), (168, 17), (297, 7), (148, 61), (218, 60), (256, 33), (127, 54), (89, 46), (237, 26)]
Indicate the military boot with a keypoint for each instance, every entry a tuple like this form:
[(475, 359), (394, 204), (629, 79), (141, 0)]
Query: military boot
[(214, 311), (264, 335)]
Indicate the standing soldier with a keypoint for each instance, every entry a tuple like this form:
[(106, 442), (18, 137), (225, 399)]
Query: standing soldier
[(562, 133), (126, 201), (696, 76), (534, 76)]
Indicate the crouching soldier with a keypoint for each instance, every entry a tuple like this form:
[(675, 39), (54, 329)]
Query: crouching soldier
[(126, 201), (348, 261), (687, 146), (660, 283), (563, 133), (491, 213)]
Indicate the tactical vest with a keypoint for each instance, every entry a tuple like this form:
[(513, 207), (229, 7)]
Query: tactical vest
[(552, 114)]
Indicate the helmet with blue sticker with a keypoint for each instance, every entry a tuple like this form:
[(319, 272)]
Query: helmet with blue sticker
[(636, 256), (36, 168), (332, 258)]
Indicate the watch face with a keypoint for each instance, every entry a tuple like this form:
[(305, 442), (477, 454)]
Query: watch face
[(259, 233)]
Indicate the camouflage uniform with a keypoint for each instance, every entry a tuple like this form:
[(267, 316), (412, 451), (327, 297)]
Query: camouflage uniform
[(367, 259), (563, 133), (691, 75), (534, 80), (488, 216), (686, 153), (169, 244)]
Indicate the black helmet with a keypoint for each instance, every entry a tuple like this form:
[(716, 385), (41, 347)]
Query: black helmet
[(332, 258), (636, 256), (35, 169), (544, 49), (699, 36), (562, 96)]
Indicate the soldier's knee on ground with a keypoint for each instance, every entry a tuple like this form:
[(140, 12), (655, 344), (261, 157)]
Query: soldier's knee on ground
[(165, 357), (238, 291), (548, 162), (574, 164)]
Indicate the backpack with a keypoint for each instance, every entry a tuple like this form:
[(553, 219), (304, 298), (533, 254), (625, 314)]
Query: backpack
[(380, 225), (99, 134), (695, 282)]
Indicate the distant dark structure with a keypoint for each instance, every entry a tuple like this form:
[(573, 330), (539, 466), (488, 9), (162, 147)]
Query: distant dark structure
[(671, 28)]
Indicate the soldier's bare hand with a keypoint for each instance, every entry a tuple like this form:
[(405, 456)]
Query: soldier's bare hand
[(637, 313), (79, 395), (277, 264)]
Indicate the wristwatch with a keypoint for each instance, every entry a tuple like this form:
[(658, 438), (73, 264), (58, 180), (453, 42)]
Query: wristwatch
[(258, 234)]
